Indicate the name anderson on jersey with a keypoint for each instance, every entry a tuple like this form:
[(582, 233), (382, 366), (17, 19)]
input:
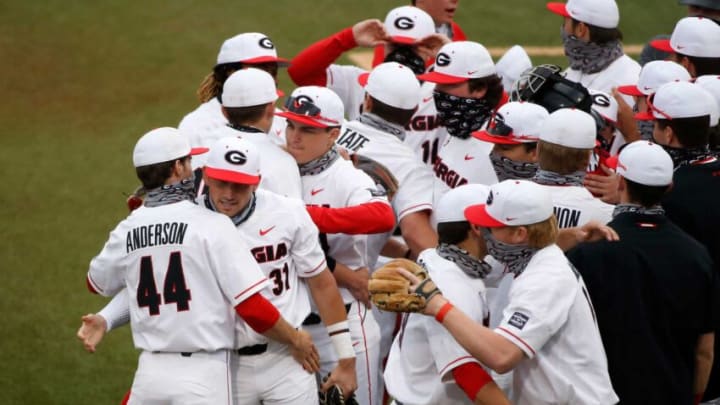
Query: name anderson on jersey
[(169, 233)]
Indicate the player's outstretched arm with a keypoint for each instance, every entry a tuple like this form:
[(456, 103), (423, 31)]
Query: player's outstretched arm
[(94, 326), (332, 311), (264, 318), (486, 346), (418, 233), (361, 219), (593, 231)]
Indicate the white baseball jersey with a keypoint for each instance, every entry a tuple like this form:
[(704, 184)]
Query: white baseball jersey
[(576, 206), (619, 73), (424, 134), (278, 168), (551, 319), (185, 269), (462, 161), (343, 80), (208, 117), (284, 241), (342, 185), (415, 180), (427, 379)]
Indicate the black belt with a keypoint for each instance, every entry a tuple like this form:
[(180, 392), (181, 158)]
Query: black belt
[(252, 350), (314, 319)]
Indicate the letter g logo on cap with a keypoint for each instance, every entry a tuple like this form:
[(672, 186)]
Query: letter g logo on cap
[(442, 59), (266, 43), (404, 23), (235, 157)]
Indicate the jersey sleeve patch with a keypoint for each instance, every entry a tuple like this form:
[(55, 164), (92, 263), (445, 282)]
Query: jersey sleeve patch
[(518, 320)]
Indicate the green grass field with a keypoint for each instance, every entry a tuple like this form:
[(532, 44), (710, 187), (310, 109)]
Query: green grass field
[(82, 81)]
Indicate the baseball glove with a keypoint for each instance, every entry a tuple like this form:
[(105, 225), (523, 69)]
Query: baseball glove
[(334, 396), (380, 174), (389, 289)]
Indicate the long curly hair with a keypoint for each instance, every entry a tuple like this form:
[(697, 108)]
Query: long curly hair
[(212, 84)]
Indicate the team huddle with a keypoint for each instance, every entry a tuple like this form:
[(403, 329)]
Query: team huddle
[(441, 229)]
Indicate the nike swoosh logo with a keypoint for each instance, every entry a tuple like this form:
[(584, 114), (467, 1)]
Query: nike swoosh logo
[(679, 47), (264, 232), (313, 192), (425, 100), (468, 157), (472, 73), (510, 218), (647, 88)]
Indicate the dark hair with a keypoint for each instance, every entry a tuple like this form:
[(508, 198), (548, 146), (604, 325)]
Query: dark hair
[(691, 132), (494, 87), (600, 35), (243, 115), (453, 232), (647, 196), (393, 114), (155, 175), (703, 66), (529, 146)]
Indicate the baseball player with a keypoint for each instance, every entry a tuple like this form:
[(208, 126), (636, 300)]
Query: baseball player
[(592, 42), (567, 138), (314, 116), (250, 49), (426, 364), (466, 92), (248, 103), (442, 13), (184, 275), (694, 45), (514, 131), (548, 335), (408, 38)]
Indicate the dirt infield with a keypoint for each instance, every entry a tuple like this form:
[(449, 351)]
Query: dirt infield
[(364, 58)]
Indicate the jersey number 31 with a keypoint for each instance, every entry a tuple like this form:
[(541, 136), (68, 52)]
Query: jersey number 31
[(174, 288)]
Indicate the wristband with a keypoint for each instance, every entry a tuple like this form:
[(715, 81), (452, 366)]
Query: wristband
[(440, 316), (340, 337)]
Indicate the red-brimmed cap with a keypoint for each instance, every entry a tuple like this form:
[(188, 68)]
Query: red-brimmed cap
[(231, 176), (558, 8), (234, 160), (662, 45), (304, 119), (441, 78), (478, 215), (484, 135), (631, 90)]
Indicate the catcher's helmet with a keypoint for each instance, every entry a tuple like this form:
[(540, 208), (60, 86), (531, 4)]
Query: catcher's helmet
[(545, 86)]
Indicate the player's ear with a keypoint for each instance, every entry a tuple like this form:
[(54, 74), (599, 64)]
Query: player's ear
[(334, 134), (367, 103), (519, 235)]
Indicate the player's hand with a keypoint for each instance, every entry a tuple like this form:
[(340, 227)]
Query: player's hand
[(429, 46), (626, 123), (354, 281), (343, 152), (604, 186), (343, 376), (304, 352), (594, 231), (436, 301), (370, 33), (92, 331)]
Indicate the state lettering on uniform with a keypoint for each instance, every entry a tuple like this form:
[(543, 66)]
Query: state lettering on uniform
[(567, 217), (352, 140), (450, 177), (269, 253), (423, 123)]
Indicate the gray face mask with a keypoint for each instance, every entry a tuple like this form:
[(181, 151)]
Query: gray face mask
[(589, 57), (644, 127), (508, 169), (515, 257)]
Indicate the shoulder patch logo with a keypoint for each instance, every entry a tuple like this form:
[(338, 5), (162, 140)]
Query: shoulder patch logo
[(518, 320)]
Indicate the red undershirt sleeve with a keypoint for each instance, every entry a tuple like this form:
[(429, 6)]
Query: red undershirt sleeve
[(310, 65), (368, 218), (458, 34), (471, 378), (258, 312)]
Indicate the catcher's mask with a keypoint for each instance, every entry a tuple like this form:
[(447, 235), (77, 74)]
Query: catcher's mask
[(545, 86)]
